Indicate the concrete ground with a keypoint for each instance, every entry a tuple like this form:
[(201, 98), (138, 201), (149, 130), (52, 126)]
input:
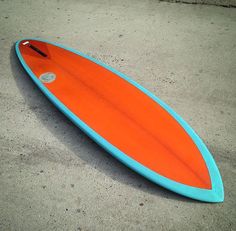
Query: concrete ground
[(225, 3), (53, 177)]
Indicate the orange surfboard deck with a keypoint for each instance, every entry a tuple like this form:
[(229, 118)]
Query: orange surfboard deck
[(124, 118)]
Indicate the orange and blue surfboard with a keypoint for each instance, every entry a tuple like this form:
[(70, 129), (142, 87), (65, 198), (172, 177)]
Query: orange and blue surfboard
[(127, 120)]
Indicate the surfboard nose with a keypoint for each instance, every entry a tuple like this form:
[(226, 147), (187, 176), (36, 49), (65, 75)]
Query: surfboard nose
[(217, 194)]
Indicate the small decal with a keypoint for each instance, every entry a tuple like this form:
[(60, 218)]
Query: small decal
[(47, 77)]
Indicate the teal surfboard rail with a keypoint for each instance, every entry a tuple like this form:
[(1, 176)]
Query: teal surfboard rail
[(215, 194)]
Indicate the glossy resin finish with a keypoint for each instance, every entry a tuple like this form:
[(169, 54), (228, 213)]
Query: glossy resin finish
[(127, 120)]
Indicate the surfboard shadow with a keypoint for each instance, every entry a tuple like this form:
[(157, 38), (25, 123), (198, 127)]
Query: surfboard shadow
[(75, 140)]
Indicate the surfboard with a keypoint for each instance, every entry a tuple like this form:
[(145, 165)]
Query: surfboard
[(127, 120)]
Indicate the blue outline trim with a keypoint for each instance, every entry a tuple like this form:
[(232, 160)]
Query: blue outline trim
[(216, 194)]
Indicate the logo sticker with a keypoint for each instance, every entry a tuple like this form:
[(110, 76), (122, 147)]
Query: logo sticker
[(47, 77)]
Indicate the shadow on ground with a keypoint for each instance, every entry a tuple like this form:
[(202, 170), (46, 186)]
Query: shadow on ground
[(75, 139)]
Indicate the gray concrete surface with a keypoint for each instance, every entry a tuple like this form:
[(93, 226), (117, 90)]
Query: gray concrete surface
[(226, 3), (53, 177)]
